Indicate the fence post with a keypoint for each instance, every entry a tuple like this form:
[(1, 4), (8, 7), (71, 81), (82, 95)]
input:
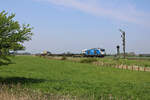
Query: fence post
[(118, 67), (127, 67), (122, 67), (115, 65), (144, 69), (110, 96), (138, 68), (132, 68), (75, 98)]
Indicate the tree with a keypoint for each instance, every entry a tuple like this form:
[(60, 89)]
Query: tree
[(12, 34)]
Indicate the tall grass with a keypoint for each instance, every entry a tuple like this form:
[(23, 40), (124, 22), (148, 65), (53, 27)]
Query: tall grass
[(17, 93), (12, 92)]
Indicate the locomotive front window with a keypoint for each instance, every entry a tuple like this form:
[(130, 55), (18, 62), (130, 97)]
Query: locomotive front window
[(102, 49)]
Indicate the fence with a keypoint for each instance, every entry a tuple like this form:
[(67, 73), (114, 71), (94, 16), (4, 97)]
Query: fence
[(125, 67)]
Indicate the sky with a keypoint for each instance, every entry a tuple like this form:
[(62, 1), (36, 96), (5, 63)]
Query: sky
[(73, 25)]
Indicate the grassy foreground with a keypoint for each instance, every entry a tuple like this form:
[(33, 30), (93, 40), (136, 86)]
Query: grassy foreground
[(78, 79)]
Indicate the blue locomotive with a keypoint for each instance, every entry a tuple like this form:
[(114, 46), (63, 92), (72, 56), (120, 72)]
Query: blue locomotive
[(94, 52)]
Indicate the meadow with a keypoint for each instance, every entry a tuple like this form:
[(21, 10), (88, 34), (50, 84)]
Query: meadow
[(83, 80)]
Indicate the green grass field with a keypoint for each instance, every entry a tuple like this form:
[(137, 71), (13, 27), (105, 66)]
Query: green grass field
[(77, 79)]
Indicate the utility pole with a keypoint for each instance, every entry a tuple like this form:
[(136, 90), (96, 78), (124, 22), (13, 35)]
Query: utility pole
[(123, 36)]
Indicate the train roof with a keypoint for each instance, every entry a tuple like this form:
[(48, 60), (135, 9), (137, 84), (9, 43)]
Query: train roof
[(97, 48)]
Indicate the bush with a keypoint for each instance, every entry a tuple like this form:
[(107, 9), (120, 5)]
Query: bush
[(88, 60), (63, 58), (116, 58)]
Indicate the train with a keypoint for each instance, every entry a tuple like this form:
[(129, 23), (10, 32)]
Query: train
[(94, 52), (45, 53)]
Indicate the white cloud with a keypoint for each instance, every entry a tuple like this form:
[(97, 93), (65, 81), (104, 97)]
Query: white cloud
[(123, 12)]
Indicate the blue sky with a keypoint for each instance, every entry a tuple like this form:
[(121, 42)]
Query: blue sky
[(73, 25)]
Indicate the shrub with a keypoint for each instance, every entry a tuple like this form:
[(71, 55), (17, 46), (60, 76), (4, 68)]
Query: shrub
[(63, 58), (116, 58), (88, 60)]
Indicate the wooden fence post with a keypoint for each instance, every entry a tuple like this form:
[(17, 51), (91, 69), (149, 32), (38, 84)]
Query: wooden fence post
[(132, 68), (118, 67), (144, 69), (138, 68), (127, 67), (122, 67), (110, 96), (115, 65)]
